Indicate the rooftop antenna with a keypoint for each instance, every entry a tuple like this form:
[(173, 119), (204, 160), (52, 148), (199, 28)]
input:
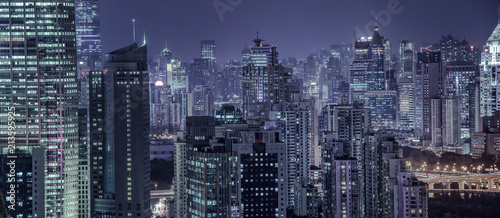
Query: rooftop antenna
[(144, 31), (257, 34), (133, 28)]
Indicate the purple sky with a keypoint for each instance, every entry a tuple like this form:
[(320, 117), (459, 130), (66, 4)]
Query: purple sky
[(297, 27)]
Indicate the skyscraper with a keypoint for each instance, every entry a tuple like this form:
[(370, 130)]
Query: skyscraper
[(462, 83), (298, 123), (406, 104), (88, 35), (119, 134), (490, 71), (383, 109), (430, 71), (367, 68), (264, 82), (38, 81), (406, 60)]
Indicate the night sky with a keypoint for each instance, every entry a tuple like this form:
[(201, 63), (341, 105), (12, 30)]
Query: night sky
[(297, 27)]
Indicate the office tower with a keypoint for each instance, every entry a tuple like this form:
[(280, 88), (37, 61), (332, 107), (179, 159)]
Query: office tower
[(453, 50), (208, 52), (366, 72), (119, 134), (203, 101), (430, 72), (298, 123), (445, 123), (260, 174), (209, 179), (411, 197), (264, 81), (229, 114), (88, 35), (406, 60), (462, 84), (159, 107), (38, 77), (384, 113), (406, 104), (199, 72), (159, 66), (349, 123), (176, 76), (340, 181), (490, 71)]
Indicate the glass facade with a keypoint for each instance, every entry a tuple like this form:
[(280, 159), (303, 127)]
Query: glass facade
[(38, 78)]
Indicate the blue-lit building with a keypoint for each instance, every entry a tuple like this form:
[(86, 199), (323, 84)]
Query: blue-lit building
[(462, 83), (38, 76), (384, 112), (366, 72), (88, 35)]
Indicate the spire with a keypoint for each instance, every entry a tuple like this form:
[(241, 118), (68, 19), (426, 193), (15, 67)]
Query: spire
[(144, 36), (258, 42), (376, 38), (133, 28)]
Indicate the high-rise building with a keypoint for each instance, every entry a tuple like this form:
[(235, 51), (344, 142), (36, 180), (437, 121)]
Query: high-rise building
[(176, 76), (119, 134), (461, 83), (453, 50), (349, 123), (199, 72), (203, 101), (180, 174), (383, 106), (298, 123), (430, 72), (406, 104), (264, 81), (490, 71), (410, 197), (159, 107), (406, 60), (445, 123), (260, 174), (340, 182), (38, 82), (208, 50), (88, 35), (391, 163), (367, 68), (209, 179)]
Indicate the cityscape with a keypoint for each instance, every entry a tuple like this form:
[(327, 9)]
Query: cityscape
[(233, 108)]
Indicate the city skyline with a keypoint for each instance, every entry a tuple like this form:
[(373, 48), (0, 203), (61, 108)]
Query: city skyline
[(297, 32)]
